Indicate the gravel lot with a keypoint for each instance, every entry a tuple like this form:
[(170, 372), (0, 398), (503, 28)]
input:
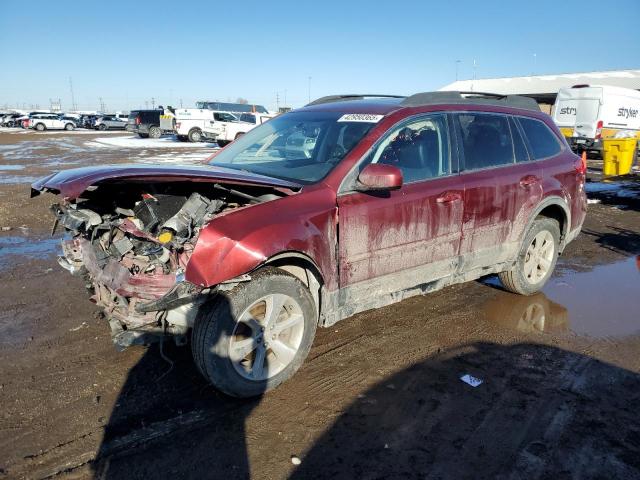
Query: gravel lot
[(380, 395)]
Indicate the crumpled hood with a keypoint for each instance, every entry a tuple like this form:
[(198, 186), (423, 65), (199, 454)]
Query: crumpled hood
[(72, 183)]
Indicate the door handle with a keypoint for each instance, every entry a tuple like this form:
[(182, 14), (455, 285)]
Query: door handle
[(528, 181), (448, 197)]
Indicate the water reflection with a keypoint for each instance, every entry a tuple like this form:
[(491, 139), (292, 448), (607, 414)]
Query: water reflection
[(601, 302), (535, 314)]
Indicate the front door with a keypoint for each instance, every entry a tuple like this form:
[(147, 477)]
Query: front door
[(396, 240)]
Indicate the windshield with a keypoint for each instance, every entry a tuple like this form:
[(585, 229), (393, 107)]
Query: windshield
[(299, 146)]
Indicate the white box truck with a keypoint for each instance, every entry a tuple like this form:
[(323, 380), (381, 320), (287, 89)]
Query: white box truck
[(588, 113)]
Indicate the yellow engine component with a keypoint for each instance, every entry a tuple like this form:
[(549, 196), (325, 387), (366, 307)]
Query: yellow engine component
[(165, 236)]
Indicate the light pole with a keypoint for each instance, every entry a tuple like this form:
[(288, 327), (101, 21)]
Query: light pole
[(457, 65)]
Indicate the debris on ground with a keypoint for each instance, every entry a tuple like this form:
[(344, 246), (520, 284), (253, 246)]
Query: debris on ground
[(471, 380)]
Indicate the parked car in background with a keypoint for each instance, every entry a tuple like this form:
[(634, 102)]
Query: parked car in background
[(398, 196), (255, 118), (110, 122), (588, 113), (11, 120), (146, 123), (194, 125), (50, 121)]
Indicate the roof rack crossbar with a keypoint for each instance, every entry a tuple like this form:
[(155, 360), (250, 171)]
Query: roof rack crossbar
[(477, 98), (350, 96)]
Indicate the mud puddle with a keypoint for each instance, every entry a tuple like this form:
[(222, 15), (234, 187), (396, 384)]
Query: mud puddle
[(601, 303)]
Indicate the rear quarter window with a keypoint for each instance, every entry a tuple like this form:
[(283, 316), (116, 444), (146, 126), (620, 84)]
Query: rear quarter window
[(542, 141)]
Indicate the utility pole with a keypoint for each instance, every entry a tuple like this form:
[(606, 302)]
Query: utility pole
[(180, 103), (535, 63), (474, 70), (277, 101), (153, 103), (74, 107), (457, 65)]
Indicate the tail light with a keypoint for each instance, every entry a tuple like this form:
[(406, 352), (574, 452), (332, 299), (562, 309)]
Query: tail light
[(599, 129), (138, 122), (581, 164)]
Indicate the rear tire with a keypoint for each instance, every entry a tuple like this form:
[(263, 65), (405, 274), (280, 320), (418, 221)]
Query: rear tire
[(155, 132), (102, 127), (143, 135), (223, 143), (68, 127), (536, 260), (182, 138), (242, 349), (40, 127), (195, 135)]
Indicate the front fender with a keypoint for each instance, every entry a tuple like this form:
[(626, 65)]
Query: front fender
[(238, 242)]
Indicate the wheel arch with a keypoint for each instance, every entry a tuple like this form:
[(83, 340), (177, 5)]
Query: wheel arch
[(304, 268), (557, 209)]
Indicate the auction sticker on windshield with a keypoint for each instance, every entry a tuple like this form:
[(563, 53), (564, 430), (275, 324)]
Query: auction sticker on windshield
[(360, 117)]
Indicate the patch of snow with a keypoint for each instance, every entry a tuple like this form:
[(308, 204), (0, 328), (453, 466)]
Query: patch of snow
[(164, 142)]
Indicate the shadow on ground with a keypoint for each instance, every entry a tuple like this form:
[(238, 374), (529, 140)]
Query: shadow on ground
[(619, 240), (541, 412)]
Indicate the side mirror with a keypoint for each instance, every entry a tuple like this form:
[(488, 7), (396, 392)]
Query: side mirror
[(378, 177)]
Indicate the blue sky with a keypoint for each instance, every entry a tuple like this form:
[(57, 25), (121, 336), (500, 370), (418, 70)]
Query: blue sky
[(129, 52)]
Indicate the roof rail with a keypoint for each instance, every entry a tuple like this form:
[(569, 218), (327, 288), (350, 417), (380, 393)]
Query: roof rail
[(470, 98), (351, 96)]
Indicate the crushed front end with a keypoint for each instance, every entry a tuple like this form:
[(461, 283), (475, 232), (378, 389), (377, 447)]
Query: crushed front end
[(133, 259)]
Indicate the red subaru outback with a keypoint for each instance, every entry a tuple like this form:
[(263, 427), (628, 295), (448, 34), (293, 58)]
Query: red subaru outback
[(350, 203)]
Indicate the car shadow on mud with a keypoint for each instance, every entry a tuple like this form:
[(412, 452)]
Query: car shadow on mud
[(163, 397), (540, 412)]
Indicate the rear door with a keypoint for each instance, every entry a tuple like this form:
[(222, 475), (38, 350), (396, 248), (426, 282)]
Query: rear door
[(395, 240), (588, 114), (499, 192)]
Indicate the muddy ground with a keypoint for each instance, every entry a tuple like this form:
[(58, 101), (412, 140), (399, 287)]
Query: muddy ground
[(380, 395)]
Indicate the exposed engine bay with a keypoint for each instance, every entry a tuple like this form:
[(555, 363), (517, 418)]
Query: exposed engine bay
[(131, 242)]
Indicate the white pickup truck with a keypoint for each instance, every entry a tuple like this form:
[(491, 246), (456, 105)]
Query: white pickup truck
[(194, 124), (50, 121)]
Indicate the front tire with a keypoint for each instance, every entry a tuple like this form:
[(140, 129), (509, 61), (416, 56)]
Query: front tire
[(102, 127), (155, 132), (143, 135), (536, 260), (40, 127), (68, 127), (255, 336)]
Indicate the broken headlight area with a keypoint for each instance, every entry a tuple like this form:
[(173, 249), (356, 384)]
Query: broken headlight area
[(132, 245)]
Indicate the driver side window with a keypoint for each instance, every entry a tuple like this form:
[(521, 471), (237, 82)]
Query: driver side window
[(420, 149)]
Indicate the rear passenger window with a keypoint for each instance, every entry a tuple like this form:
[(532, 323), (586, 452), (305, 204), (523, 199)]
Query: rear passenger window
[(486, 140), (542, 141), (519, 147)]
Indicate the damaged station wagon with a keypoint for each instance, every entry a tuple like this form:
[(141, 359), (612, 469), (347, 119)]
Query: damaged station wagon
[(350, 203)]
